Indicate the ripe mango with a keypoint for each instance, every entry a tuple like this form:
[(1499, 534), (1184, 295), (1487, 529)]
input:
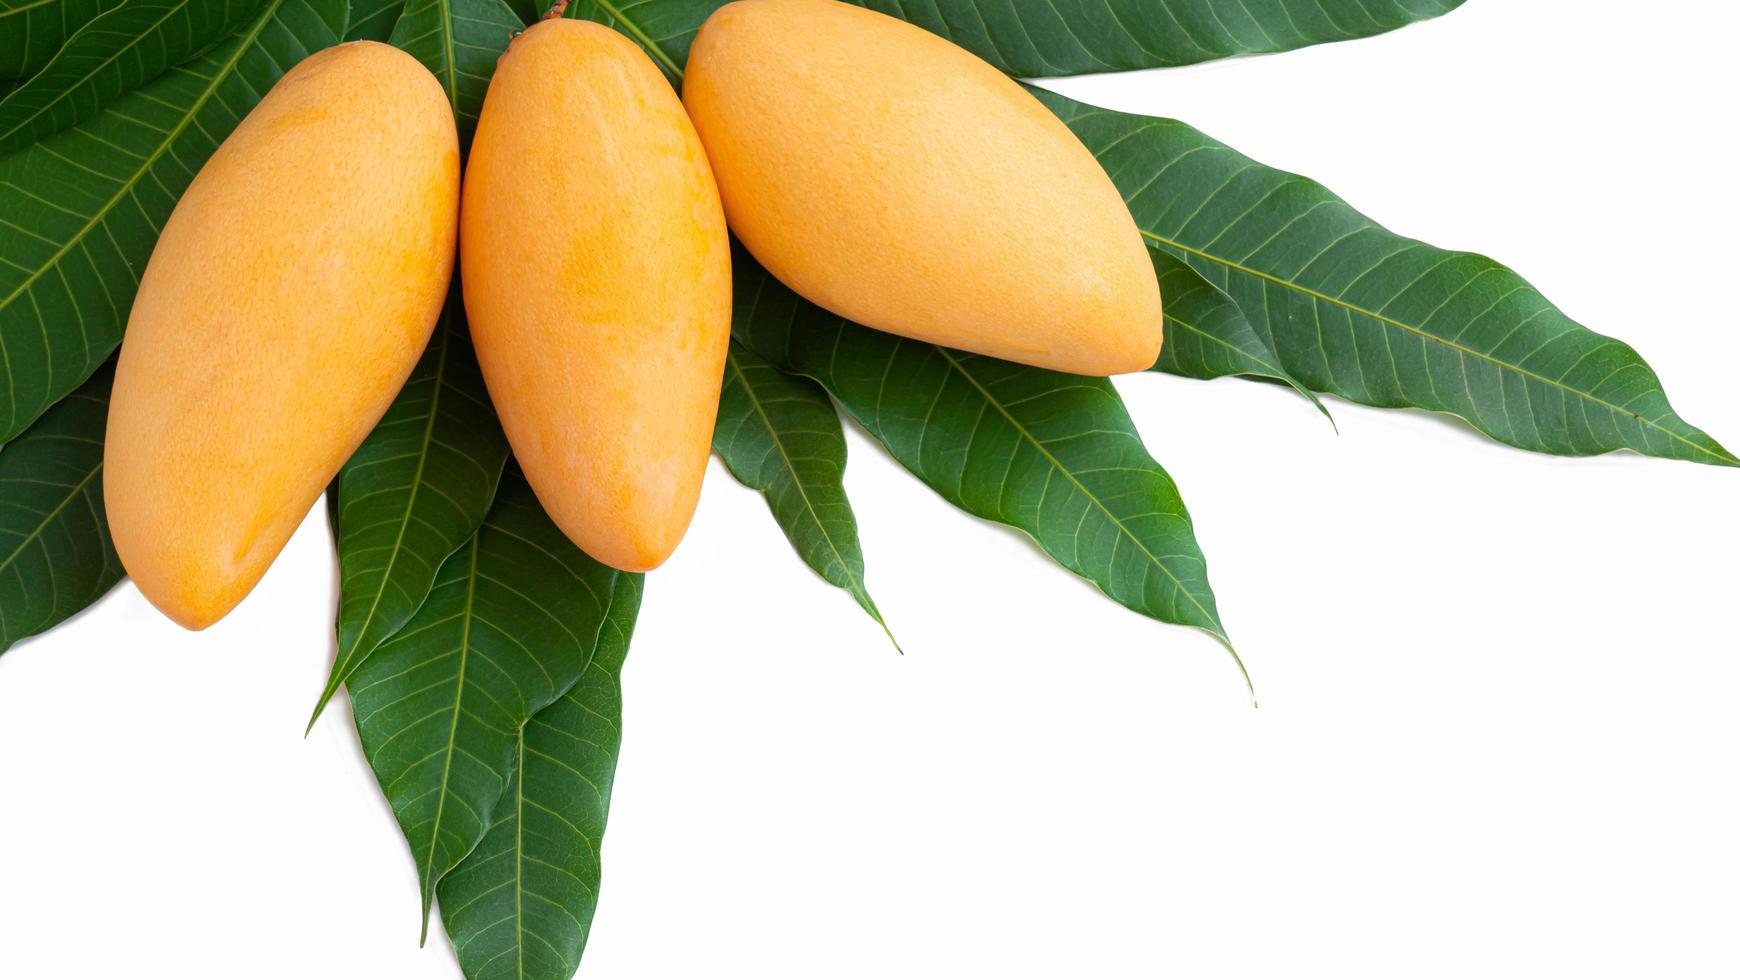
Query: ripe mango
[(597, 275), (897, 180), (288, 297)]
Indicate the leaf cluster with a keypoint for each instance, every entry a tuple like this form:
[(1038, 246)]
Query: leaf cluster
[(481, 651)]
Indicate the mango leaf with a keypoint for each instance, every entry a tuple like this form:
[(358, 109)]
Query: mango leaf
[(520, 906), (508, 628), (528, 11), (458, 41), (31, 31), (113, 54), (1034, 38), (780, 435), (1054, 455), (413, 493), (1358, 311), (81, 210), (1207, 335), (372, 20), (55, 554)]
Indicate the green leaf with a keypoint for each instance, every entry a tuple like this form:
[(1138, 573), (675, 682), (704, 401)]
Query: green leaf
[(81, 210), (520, 906), (1054, 455), (459, 42), (372, 20), (413, 493), (113, 54), (31, 31), (55, 554), (1207, 335), (780, 435), (1035, 38), (508, 628), (1357, 311), (528, 11)]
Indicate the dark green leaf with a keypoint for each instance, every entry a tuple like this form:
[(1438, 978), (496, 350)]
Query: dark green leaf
[(372, 20), (80, 211), (1033, 38), (1207, 335), (414, 492), (780, 434), (528, 11), (55, 555), (508, 628), (31, 31), (459, 41), (113, 54), (1360, 312), (1054, 455), (520, 906)]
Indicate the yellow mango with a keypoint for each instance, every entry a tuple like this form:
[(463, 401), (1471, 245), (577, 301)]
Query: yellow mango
[(898, 180), (597, 277), (290, 294)]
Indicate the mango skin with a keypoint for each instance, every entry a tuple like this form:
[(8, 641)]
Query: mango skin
[(289, 296), (898, 180), (597, 275)]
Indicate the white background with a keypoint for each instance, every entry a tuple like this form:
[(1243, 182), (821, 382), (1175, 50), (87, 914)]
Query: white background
[(1497, 724)]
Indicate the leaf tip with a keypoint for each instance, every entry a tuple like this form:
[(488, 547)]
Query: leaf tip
[(320, 706), (1239, 662)]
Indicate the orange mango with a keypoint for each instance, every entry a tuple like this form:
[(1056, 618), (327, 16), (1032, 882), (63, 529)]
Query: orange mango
[(598, 286), (898, 180), (289, 296)]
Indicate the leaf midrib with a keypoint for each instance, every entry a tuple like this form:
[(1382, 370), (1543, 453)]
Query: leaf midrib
[(21, 8), (137, 40), (411, 499), (218, 78), (73, 492), (451, 75), (1214, 624), (1459, 348), (857, 589), (520, 853), (452, 737)]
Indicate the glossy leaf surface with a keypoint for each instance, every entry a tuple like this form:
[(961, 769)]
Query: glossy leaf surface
[(458, 41), (779, 434), (1207, 335), (115, 53), (1054, 455), (520, 906), (31, 31), (55, 553), (508, 628), (372, 20), (1034, 38), (1358, 311)]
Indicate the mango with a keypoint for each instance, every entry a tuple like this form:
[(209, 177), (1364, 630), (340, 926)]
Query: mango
[(597, 275), (289, 296), (897, 180)]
